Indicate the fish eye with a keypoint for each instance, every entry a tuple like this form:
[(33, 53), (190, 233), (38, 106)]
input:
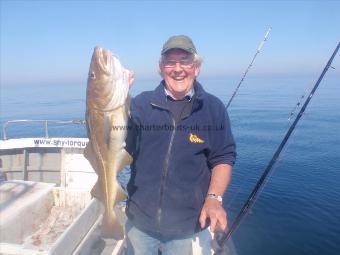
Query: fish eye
[(92, 75)]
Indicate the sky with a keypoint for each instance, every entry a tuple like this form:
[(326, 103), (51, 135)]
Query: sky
[(52, 41)]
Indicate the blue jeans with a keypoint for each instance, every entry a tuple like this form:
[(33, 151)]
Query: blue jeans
[(140, 243)]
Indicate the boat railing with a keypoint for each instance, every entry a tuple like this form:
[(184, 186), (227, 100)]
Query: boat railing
[(46, 123)]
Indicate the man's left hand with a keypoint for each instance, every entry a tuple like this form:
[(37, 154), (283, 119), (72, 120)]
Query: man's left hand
[(131, 78), (213, 210)]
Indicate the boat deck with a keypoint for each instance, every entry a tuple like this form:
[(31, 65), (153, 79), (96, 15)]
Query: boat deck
[(45, 201)]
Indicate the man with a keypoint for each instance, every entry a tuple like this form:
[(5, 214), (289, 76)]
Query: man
[(183, 152)]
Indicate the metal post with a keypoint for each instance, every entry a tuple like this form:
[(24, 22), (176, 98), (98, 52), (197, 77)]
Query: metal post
[(25, 165), (46, 129)]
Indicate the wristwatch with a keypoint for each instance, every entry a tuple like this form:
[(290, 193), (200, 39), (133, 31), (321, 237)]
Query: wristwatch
[(214, 196)]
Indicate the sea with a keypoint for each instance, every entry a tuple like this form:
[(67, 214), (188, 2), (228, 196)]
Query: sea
[(297, 211)]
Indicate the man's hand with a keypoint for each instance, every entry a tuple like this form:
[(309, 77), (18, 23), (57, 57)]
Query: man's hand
[(131, 78), (213, 210)]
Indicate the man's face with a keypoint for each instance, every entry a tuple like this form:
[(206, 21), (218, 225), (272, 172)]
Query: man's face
[(179, 72)]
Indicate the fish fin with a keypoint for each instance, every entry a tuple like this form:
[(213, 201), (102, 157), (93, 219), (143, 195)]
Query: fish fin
[(120, 195), (96, 192), (90, 155), (125, 159)]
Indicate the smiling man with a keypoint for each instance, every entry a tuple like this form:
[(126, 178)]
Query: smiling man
[(179, 70), (183, 151)]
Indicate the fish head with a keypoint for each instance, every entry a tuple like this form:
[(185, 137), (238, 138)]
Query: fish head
[(108, 84), (101, 67), (105, 66)]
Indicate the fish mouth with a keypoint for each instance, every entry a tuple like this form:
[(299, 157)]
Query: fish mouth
[(102, 62)]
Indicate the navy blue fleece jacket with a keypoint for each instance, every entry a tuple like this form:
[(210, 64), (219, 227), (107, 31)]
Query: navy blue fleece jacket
[(172, 161)]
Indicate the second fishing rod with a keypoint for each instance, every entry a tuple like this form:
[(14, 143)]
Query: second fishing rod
[(220, 241)]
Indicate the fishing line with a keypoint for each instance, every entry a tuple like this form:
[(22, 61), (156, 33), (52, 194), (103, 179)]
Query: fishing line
[(249, 66), (222, 238)]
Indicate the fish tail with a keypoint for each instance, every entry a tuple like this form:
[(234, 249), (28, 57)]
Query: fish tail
[(111, 228)]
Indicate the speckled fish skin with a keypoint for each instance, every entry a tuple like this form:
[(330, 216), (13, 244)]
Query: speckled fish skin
[(106, 120)]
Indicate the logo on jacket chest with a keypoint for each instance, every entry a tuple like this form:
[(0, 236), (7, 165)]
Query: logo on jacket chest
[(195, 139)]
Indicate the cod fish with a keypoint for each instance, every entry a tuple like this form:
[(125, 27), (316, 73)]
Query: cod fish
[(107, 105)]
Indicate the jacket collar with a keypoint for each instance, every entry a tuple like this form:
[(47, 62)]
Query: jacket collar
[(159, 96), (188, 96)]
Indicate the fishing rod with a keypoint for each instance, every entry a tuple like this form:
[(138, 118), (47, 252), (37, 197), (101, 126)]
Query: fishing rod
[(222, 238), (249, 66)]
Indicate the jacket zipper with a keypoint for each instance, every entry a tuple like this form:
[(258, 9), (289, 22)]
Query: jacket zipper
[(165, 170), (165, 173)]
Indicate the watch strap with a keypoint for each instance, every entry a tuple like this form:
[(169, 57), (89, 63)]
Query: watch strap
[(214, 196)]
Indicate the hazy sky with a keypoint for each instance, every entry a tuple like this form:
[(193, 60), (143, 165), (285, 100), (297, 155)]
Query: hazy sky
[(52, 41)]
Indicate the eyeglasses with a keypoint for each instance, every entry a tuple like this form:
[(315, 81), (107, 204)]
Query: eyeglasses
[(184, 63)]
